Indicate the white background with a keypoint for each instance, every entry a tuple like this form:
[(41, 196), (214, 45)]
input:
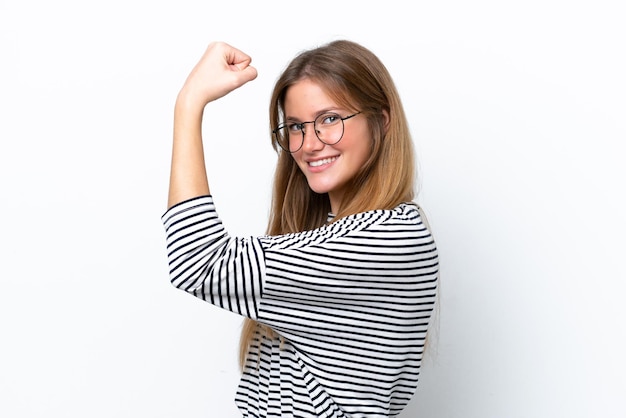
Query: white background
[(517, 111)]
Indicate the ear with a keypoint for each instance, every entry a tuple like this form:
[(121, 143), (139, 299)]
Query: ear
[(386, 120)]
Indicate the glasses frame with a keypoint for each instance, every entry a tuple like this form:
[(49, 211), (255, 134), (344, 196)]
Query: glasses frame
[(284, 125)]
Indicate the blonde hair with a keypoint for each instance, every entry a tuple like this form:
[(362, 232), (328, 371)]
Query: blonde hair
[(356, 79)]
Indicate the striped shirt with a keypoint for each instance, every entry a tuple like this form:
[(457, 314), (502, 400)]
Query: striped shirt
[(350, 303)]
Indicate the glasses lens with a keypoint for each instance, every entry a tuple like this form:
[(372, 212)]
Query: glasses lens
[(329, 128), (288, 142)]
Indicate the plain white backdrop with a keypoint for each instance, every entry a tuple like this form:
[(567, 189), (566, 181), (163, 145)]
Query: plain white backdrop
[(517, 111)]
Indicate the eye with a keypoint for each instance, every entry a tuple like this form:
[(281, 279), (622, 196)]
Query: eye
[(328, 119), (295, 127)]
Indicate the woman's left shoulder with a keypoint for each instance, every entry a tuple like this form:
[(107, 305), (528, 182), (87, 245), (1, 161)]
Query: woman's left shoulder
[(412, 212)]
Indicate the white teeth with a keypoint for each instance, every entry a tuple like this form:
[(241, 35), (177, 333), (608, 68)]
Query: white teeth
[(322, 162)]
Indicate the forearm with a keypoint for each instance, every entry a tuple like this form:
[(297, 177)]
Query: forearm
[(221, 69), (188, 177)]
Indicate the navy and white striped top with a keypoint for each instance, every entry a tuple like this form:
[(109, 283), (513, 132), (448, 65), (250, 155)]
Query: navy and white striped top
[(351, 301)]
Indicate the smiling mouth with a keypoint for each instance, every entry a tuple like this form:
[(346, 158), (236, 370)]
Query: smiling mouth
[(319, 163)]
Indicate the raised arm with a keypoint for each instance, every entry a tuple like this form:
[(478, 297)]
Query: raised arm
[(221, 70)]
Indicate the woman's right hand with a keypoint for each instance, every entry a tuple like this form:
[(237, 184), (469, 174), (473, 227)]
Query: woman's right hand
[(221, 70)]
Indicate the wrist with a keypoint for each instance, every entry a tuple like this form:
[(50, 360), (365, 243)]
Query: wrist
[(187, 101)]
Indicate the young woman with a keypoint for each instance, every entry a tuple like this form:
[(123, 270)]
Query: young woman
[(338, 296)]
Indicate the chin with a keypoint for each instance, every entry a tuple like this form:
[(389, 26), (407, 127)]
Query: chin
[(319, 188)]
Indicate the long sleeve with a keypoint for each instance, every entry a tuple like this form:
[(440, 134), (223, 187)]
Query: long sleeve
[(206, 262)]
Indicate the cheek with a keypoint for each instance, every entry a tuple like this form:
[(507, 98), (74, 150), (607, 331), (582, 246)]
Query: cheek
[(297, 158), (361, 146)]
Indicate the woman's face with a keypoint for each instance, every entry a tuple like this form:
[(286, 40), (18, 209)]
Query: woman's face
[(328, 168)]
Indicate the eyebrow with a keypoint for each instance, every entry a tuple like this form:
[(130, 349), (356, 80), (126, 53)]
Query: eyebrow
[(320, 112)]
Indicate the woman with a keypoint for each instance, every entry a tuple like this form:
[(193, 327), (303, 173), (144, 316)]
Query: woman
[(339, 294)]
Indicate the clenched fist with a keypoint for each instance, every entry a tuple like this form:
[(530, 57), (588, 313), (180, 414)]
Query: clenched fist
[(221, 70)]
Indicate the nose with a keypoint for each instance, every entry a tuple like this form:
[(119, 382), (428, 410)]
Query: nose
[(310, 141)]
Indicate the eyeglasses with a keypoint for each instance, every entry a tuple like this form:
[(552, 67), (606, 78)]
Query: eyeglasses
[(328, 128)]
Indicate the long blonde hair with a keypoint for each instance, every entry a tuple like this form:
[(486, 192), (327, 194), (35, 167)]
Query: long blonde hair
[(355, 78)]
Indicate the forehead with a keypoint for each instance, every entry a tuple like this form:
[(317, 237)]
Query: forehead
[(307, 97)]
